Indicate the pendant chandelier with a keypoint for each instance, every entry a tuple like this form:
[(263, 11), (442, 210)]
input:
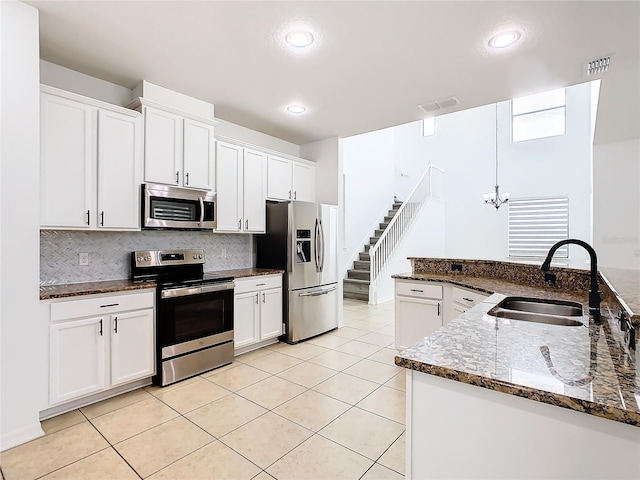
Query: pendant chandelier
[(494, 198)]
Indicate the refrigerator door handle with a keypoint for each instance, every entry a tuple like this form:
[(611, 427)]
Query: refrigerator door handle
[(317, 293), (316, 242), (321, 252)]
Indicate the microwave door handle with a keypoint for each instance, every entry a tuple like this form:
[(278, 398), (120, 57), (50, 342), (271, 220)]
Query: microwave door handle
[(201, 210)]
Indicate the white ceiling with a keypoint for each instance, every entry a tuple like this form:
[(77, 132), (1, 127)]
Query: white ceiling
[(374, 62)]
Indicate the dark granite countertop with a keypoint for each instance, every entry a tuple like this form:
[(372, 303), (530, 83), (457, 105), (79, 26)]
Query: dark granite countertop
[(587, 369), (48, 292)]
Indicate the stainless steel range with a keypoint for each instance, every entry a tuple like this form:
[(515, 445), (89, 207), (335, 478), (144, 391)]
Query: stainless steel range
[(194, 312)]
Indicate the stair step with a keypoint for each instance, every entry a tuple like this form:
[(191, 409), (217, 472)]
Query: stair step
[(388, 218), (364, 257), (358, 275), (361, 265), (397, 205), (366, 249), (351, 285), (356, 296), (373, 240), (392, 213), (384, 225), (378, 232)]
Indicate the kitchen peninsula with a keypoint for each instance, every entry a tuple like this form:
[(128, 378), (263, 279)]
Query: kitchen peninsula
[(483, 392)]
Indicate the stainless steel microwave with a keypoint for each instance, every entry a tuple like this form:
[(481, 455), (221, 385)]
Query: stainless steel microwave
[(164, 206)]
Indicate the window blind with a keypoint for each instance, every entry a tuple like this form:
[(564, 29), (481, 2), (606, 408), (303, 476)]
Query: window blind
[(535, 224)]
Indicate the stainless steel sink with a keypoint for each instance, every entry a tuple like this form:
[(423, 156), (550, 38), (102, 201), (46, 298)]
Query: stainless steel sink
[(553, 312), (537, 305)]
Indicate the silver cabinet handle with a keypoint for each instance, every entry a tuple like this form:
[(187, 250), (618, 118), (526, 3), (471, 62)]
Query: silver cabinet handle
[(246, 224), (100, 332), (260, 284), (187, 179), (240, 224), (263, 297), (467, 299), (257, 298), (417, 291), (289, 194), (102, 218), (438, 308), (115, 322), (88, 217), (177, 177), (295, 195), (109, 305)]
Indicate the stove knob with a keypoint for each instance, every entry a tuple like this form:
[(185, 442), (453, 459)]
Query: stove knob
[(200, 256)]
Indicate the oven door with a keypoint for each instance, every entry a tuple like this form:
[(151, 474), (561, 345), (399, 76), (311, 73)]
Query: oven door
[(193, 318)]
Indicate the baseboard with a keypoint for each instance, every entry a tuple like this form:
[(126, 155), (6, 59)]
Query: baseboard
[(18, 437)]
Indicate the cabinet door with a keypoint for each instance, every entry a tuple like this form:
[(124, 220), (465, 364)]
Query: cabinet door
[(254, 188), (278, 178), (246, 317), (229, 187), (415, 319), (198, 157), (132, 346), (304, 182), (67, 159), (119, 169), (76, 350), (162, 146), (270, 313)]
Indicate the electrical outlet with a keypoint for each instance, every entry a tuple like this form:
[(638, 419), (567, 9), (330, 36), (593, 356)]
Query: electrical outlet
[(223, 253), (83, 259)]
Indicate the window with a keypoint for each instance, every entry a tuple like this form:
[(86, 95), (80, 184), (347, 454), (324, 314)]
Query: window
[(428, 126), (535, 224), (538, 116)]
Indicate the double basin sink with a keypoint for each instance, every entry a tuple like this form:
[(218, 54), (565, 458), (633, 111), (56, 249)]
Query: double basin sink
[(553, 312)]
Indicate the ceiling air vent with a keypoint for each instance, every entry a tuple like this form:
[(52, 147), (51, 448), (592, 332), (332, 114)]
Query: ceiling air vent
[(599, 65), (439, 104)]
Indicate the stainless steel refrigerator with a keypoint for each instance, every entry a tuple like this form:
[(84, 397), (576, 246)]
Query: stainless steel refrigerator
[(302, 239)]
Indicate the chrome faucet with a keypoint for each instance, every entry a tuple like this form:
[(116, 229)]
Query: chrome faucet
[(594, 294)]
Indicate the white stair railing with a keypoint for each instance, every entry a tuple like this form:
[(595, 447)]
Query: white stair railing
[(381, 252)]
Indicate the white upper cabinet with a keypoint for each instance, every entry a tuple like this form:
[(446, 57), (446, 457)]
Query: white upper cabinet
[(178, 149), (198, 144), (241, 182), (304, 182), (119, 170), (67, 162), (162, 147), (91, 163), (290, 180)]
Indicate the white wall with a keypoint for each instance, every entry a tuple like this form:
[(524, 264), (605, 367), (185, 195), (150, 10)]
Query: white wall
[(22, 339), (244, 134), (326, 154), (616, 215), (368, 188)]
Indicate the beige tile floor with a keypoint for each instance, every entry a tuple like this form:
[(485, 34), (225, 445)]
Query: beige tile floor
[(330, 408)]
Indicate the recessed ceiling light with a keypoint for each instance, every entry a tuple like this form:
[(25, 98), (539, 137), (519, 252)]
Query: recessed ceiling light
[(296, 109), (504, 39), (299, 38)]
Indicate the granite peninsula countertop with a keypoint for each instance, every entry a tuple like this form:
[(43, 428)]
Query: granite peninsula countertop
[(587, 368), (49, 292)]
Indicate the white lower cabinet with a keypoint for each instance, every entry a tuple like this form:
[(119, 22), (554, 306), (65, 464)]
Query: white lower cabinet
[(257, 310), (98, 342), (418, 311)]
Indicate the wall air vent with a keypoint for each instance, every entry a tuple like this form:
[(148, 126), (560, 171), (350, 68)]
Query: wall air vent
[(598, 65), (439, 104)]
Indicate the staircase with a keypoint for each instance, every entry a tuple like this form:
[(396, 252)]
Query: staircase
[(356, 285)]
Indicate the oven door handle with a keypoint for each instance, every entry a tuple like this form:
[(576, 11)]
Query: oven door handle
[(186, 291)]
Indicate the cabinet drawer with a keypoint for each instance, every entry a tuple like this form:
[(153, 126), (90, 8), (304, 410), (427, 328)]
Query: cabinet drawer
[(99, 305), (465, 297), (251, 284), (419, 289)]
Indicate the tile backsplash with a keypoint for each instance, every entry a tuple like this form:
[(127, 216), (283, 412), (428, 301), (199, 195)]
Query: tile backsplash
[(109, 252)]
